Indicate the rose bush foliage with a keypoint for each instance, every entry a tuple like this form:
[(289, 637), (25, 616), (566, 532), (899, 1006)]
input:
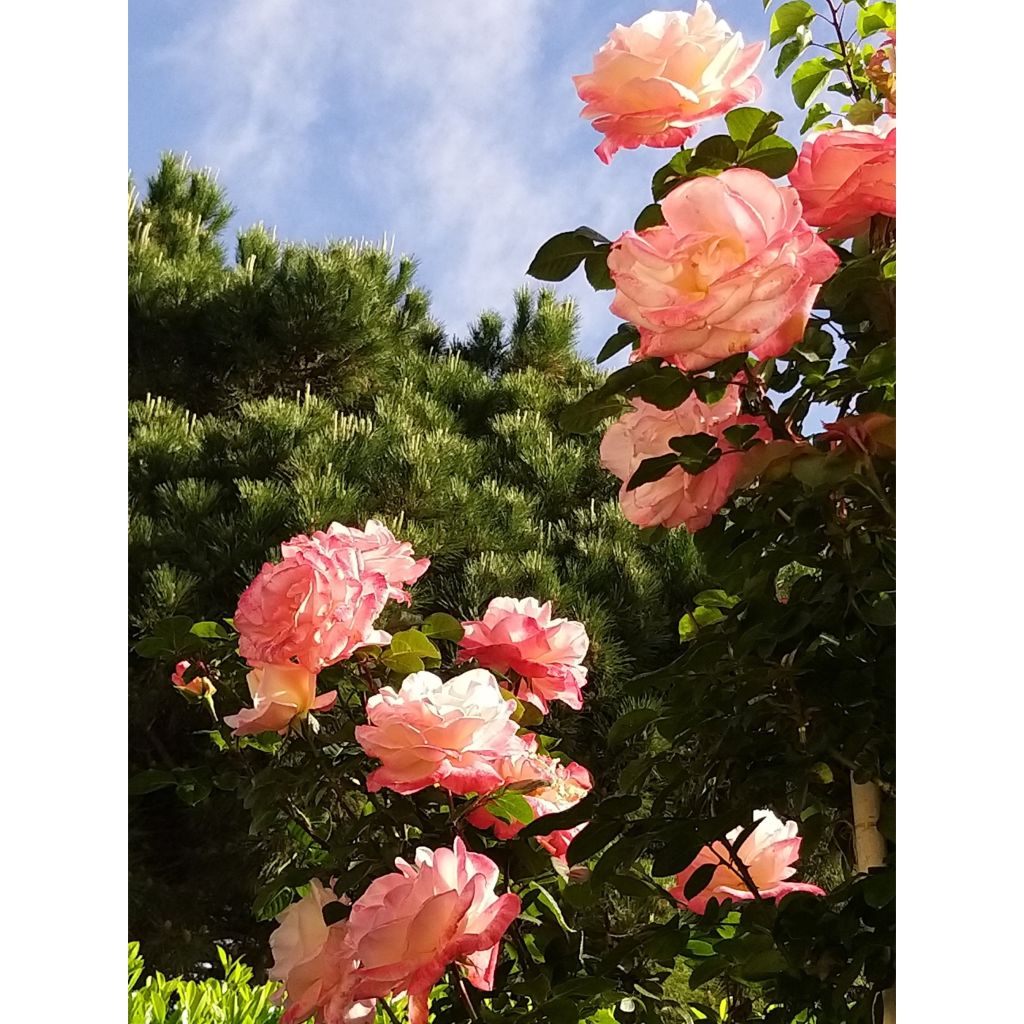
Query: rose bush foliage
[(757, 410)]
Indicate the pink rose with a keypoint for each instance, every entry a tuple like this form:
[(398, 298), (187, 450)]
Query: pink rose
[(198, 686), (734, 268), (381, 553), (281, 695), (847, 175), (768, 854), (560, 787), (521, 636), (315, 607), (316, 964), (678, 497), (653, 82), (444, 733), (410, 925)]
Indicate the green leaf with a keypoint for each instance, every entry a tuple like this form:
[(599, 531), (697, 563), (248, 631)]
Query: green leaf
[(625, 335), (716, 599), (652, 469), (550, 904), (209, 629), (594, 838), (876, 18), (748, 125), (667, 388), (708, 616), (442, 626), (880, 888), (693, 446), (560, 255), (596, 269), (688, 628), (630, 885), (809, 79), (774, 156), (403, 664), (569, 818), (816, 113), (707, 970), (699, 880), (793, 49), (716, 149), (511, 807), (787, 19), (630, 724), (412, 641), (740, 434), (649, 217), (879, 367), (863, 112), (763, 965), (150, 780)]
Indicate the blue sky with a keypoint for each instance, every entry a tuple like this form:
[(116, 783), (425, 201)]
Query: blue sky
[(451, 126)]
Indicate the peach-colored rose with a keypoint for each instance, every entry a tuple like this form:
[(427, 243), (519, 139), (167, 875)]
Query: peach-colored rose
[(654, 81), (522, 637), (316, 964), (410, 925), (847, 175), (199, 686), (314, 607), (678, 497), (434, 732), (560, 787), (734, 268), (768, 854), (281, 695), (381, 553)]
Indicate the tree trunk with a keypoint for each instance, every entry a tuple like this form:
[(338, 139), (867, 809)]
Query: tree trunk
[(869, 852)]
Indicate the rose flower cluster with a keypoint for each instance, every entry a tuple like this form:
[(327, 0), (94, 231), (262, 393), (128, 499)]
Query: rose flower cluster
[(315, 608), (737, 264)]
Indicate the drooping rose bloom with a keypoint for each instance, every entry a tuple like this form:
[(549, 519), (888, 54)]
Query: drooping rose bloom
[(654, 81), (734, 268), (410, 925), (434, 732), (199, 686), (281, 694), (560, 787), (873, 433), (314, 607), (381, 553), (769, 854), (883, 77), (521, 636), (678, 498), (316, 964), (847, 175)]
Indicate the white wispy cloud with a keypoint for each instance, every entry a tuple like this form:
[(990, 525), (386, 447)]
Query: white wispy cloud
[(450, 124)]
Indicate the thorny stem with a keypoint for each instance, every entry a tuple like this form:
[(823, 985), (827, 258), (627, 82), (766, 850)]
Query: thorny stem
[(837, 25), (305, 824), (736, 864)]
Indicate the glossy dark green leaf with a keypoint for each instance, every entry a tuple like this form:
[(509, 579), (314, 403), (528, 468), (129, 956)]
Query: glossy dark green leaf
[(560, 255), (699, 880), (594, 838), (652, 469), (150, 780), (748, 125), (442, 626), (650, 216), (596, 269), (707, 970), (625, 336), (774, 156), (629, 724)]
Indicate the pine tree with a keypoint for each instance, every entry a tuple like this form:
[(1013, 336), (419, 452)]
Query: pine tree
[(453, 443)]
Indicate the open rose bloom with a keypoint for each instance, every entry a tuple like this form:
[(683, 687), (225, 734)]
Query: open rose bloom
[(845, 176), (734, 268), (410, 925), (315, 607), (316, 964), (559, 787), (768, 854), (281, 695), (380, 553), (522, 637), (434, 732), (678, 498), (658, 78)]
